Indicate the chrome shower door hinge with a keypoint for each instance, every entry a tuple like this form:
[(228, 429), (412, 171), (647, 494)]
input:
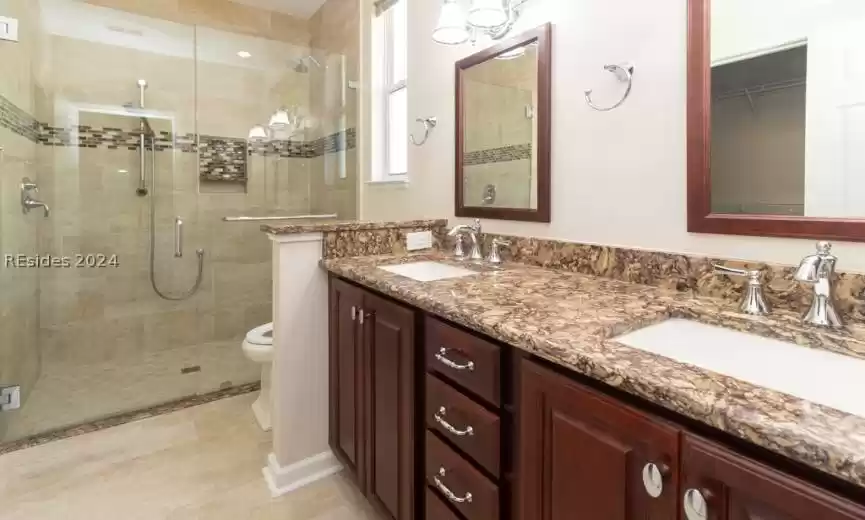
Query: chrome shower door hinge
[(10, 398), (8, 29)]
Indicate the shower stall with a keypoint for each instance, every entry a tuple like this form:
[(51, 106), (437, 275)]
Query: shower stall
[(134, 128)]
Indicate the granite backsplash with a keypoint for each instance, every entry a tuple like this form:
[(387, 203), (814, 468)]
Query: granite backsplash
[(680, 272)]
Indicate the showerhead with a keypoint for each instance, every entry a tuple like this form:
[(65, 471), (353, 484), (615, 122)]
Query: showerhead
[(302, 67)]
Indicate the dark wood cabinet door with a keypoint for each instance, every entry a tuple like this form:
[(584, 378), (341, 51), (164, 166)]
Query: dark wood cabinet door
[(346, 378), (389, 367), (582, 454), (737, 488)]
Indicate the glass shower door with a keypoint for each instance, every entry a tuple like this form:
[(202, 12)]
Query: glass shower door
[(88, 337), (19, 232)]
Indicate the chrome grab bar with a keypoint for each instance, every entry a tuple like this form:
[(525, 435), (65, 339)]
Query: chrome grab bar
[(178, 237), (290, 217)]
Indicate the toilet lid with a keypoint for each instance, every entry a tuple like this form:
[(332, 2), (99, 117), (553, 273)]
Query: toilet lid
[(262, 335)]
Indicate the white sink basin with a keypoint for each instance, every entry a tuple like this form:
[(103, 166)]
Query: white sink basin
[(428, 271), (818, 376)]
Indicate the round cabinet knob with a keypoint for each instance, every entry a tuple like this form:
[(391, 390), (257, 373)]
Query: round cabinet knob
[(696, 507), (653, 479)]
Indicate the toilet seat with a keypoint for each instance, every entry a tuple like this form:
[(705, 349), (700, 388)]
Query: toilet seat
[(261, 335)]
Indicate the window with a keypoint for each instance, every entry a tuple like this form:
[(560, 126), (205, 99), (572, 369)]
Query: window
[(390, 103)]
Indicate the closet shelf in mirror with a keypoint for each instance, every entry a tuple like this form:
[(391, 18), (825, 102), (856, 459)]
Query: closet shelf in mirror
[(764, 88)]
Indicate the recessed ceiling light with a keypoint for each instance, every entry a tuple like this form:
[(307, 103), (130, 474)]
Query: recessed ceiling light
[(244, 54)]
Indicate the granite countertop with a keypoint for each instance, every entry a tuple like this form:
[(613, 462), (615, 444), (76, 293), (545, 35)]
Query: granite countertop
[(570, 318), (320, 226)]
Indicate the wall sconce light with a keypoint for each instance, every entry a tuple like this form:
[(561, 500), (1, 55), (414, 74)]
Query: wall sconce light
[(492, 18), (258, 133)]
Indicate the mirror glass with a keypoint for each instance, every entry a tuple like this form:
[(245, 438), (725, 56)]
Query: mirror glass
[(788, 107), (499, 100)]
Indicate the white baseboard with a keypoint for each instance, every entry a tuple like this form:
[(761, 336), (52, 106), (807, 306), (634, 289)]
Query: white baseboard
[(282, 480)]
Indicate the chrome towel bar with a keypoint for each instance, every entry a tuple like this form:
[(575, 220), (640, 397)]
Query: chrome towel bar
[(289, 217)]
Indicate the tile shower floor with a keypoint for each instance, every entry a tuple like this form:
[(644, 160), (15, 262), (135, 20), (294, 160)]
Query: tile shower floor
[(68, 394), (195, 464)]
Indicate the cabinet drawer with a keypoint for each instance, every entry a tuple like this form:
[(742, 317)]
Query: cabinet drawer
[(457, 482), (467, 360), (468, 425), (436, 509)]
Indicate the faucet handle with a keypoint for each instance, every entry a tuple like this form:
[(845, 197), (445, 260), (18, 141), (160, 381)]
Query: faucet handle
[(824, 247), (750, 273), (754, 300), (495, 257)]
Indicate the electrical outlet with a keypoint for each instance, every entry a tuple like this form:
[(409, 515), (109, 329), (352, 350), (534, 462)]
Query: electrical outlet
[(418, 240)]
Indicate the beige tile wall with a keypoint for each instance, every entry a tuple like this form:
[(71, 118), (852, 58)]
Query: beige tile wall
[(19, 288)]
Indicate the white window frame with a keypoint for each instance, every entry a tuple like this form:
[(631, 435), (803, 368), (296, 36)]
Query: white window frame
[(384, 88)]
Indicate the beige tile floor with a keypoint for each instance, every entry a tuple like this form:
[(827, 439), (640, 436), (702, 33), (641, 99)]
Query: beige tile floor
[(195, 464)]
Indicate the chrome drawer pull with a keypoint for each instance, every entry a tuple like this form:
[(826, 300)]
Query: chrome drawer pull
[(441, 356), (465, 499), (449, 427)]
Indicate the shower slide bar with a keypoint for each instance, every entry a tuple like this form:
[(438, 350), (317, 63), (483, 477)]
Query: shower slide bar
[(292, 217)]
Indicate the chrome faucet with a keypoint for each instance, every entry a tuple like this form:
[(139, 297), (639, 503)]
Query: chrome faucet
[(819, 269), (474, 233), (33, 204), (27, 200)]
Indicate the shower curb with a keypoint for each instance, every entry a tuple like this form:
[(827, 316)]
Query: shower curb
[(127, 417)]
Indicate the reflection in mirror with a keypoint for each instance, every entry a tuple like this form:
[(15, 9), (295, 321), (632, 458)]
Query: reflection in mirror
[(500, 129), (788, 107)]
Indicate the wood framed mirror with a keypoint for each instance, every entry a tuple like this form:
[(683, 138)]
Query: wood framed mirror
[(776, 117), (503, 130)]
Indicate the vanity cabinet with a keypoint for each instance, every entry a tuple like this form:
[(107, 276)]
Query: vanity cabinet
[(345, 371), (584, 455), (436, 422), (372, 396), (719, 484)]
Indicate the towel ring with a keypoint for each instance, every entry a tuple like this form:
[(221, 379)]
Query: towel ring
[(429, 123), (624, 73)]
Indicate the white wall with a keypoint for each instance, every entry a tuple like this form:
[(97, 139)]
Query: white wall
[(618, 177)]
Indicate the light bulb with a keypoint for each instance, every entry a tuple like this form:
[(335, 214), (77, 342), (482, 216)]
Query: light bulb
[(451, 28), (487, 14)]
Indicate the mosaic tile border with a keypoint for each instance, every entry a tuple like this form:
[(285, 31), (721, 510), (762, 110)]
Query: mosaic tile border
[(127, 417), (20, 122), (514, 152), (680, 272)]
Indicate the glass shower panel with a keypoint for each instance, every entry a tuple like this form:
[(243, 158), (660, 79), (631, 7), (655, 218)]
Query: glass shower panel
[(19, 232), (105, 342)]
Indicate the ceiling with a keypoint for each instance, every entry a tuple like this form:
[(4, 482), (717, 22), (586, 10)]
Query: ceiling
[(300, 8)]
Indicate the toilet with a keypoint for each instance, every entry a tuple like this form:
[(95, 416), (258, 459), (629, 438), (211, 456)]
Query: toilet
[(258, 347)]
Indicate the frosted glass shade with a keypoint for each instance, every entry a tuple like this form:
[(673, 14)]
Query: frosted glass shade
[(257, 133), (487, 14), (451, 29), (279, 120)]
